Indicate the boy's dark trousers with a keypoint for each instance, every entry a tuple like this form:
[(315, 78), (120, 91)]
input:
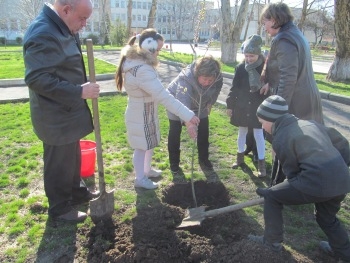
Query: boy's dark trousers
[(326, 209), (174, 137)]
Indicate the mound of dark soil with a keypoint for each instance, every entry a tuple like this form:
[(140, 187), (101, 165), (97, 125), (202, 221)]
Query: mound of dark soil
[(152, 236)]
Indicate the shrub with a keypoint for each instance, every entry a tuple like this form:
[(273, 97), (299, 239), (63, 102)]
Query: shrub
[(93, 37), (118, 34), (19, 40)]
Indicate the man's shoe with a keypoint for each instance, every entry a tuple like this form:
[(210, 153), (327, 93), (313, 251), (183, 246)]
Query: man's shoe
[(73, 216), (145, 183), (276, 247), (89, 196), (153, 173), (326, 248), (207, 164)]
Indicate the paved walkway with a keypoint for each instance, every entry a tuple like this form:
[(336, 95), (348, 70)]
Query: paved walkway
[(336, 109)]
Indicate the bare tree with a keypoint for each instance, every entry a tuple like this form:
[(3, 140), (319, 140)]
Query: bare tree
[(231, 30), (104, 21), (181, 14), (30, 9), (321, 24), (250, 17), (129, 19), (340, 68), (152, 14), (303, 15), (312, 6)]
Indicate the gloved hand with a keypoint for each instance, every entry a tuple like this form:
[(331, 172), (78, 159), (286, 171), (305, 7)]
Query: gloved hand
[(262, 191)]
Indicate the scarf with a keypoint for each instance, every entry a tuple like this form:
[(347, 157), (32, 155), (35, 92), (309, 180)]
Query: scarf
[(254, 77)]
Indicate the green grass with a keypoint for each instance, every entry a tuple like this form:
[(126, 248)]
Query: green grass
[(12, 65), (23, 205)]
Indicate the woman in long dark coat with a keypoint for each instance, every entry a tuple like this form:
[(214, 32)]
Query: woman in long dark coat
[(289, 72)]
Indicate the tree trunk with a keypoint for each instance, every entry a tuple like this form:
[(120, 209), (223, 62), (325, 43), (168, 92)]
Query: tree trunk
[(248, 22), (152, 14), (303, 15), (129, 15), (340, 69), (227, 54), (231, 31)]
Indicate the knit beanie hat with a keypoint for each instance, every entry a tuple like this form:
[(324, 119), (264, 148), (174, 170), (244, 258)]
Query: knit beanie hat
[(272, 108), (252, 45)]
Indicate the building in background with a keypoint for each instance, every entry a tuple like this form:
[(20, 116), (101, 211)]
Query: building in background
[(185, 20)]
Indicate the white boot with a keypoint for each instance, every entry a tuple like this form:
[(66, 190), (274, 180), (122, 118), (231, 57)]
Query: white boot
[(145, 183), (153, 173)]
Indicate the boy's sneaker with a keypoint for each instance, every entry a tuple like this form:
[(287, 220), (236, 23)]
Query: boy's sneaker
[(326, 248), (276, 247), (153, 173), (145, 183)]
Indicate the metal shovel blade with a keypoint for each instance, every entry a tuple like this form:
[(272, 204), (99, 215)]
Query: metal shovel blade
[(195, 216), (102, 207)]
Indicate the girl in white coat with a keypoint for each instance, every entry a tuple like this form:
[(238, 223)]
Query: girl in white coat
[(137, 74)]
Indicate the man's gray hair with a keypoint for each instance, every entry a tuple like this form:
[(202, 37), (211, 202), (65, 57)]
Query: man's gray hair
[(68, 2)]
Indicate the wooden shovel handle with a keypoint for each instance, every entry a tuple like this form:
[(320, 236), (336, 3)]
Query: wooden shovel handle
[(96, 118), (223, 210)]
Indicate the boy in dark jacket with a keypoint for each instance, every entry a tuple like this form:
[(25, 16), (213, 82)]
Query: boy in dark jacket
[(315, 160)]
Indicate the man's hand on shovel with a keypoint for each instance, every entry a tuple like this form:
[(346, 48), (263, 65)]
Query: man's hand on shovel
[(90, 90)]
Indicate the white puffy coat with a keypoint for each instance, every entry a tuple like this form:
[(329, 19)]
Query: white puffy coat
[(145, 92)]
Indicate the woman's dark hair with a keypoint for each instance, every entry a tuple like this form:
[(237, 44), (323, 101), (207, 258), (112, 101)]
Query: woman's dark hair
[(149, 32), (207, 66), (279, 12)]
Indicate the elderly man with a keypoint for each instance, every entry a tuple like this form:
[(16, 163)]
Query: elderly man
[(58, 89)]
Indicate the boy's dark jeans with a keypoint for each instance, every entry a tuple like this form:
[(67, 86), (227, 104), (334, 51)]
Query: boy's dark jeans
[(325, 212)]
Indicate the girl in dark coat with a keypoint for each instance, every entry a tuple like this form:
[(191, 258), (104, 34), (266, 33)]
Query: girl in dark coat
[(244, 99)]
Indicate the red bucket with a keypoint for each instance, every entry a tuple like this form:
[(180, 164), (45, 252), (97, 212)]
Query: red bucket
[(88, 158)]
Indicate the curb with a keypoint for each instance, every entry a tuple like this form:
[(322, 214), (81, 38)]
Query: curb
[(8, 83)]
